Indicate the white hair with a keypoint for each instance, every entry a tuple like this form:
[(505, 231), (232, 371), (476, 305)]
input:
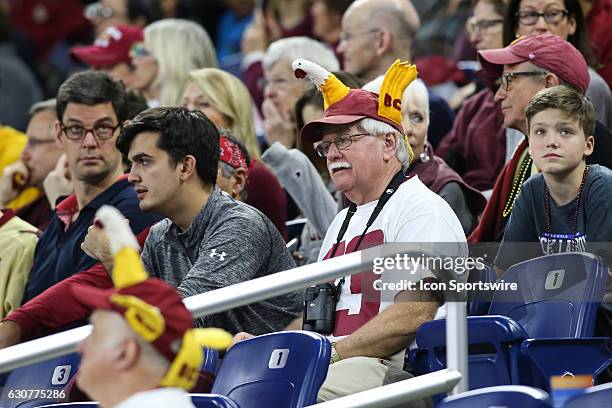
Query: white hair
[(376, 127), (292, 48)]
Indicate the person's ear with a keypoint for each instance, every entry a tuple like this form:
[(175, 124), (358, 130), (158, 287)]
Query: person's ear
[(390, 146), (551, 80), (240, 182), (571, 21), (384, 40), (590, 145), (59, 134), (127, 354), (188, 167)]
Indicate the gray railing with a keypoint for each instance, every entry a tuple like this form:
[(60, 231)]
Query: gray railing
[(242, 294)]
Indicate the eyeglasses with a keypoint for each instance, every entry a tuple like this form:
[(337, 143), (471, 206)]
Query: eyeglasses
[(483, 25), (509, 76), (97, 10), (550, 16), (77, 133), (342, 142), (139, 50), (346, 37)]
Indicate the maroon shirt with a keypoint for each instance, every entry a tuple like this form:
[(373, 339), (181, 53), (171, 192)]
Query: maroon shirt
[(476, 145), (37, 213), (266, 194), (598, 26)]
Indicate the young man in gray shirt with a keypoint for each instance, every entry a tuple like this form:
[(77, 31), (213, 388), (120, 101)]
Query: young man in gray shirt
[(208, 240)]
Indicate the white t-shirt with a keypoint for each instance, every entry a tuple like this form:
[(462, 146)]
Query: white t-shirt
[(413, 214), (160, 397)]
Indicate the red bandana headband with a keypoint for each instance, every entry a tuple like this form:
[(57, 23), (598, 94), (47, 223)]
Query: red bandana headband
[(231, 153)]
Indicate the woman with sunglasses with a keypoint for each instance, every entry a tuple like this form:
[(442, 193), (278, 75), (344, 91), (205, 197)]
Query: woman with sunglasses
[(565, 19)]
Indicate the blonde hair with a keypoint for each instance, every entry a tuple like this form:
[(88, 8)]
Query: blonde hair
[(230, 97), (179, 46)]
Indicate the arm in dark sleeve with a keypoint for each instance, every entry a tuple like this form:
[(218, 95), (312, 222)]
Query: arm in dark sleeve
[(56, 308), (520, 229), (453, 195)]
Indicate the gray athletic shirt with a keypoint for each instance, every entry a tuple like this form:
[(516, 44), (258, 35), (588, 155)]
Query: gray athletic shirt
[(228, 242)]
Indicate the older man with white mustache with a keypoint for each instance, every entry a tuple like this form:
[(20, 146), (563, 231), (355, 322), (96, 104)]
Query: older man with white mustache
[(366, 150)]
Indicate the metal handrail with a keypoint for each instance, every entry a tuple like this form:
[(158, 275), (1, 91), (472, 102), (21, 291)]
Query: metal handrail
[(234, 296), (393, 395)]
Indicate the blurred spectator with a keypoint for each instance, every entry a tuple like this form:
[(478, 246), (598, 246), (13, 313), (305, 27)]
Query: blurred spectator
[(272, 20), (442, 24), (283, 89), (563, 18), (526, 67), (111, 52), (232, 24), (108, 13), (163, 62), (598, 14), (18, 86), (476, 147), (233, 174), (48, 22), (38, 159), (226, 101), (17, 243), (377, 32), (91, 108), (327, 21)]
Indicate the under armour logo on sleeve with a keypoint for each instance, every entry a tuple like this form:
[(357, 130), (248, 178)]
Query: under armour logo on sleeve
[(214, 253)]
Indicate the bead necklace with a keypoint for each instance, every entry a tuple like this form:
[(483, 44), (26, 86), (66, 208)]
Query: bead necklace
[(517, 185), (574, 226)]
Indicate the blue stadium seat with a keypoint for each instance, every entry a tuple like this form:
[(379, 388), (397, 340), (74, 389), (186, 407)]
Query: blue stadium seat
[(211, 360), (50, 375), (212, 401), (505, 396), (480, 301), (284, 369), (598, 396), (521, 340)]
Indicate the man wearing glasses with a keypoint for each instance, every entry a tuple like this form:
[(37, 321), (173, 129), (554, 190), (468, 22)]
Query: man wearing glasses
[(527, 66), (91, 108)]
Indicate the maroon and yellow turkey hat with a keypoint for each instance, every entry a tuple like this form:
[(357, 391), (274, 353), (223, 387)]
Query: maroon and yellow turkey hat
[(344, 106)]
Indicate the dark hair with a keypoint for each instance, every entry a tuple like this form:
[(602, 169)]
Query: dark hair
[(5, 25), (569, 101), (499, 6), (92, 88), (136, 103), (579, 39), (181, 132)]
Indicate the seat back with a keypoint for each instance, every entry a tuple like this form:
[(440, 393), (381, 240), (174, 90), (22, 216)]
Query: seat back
[(47, 380), (505, 396), (284, 369), (480, 301), (593, 397), (568, 286)]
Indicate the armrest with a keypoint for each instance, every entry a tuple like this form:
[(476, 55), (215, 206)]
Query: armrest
[(481, 329), (212, 401)]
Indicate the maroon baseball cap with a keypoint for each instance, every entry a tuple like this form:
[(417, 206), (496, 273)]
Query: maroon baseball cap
[(161, 296), (547, 51), (111, 47), (358, 104)]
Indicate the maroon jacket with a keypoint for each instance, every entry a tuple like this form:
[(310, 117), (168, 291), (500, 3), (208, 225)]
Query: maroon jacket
[(435, 174), (266, 194), (476, 145), (598, 26)]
